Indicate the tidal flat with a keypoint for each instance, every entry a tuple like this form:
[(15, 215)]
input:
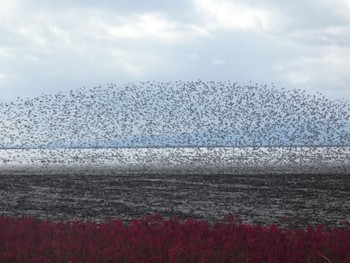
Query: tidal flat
[(290, 187)]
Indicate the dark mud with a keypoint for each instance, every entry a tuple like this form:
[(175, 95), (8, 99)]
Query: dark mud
[(293, 200)]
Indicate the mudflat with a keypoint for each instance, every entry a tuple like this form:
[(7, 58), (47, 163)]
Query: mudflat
[(293, 200)]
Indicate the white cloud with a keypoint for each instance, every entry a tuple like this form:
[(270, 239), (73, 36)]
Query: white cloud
[(49, 46), (340, 7), (240, 15), (149, 27), (7, 10), (328, 69), (4, 53), (218, 61), (193, 56), (3, 76), (328, 36), (131, 62), (298, 77)]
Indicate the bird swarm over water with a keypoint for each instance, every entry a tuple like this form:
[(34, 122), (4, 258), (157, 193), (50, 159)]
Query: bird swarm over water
[(175, 114)]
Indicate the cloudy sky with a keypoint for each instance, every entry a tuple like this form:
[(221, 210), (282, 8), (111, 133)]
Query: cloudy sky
[(49, 46)]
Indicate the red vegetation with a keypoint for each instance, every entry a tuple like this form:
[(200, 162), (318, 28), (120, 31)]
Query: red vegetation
[(155, 239)]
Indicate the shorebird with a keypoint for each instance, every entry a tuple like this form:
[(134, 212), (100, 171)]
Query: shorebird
[(171, 113)]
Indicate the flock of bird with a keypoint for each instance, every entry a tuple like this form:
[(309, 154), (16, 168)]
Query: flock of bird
[(174, 114), (215, 160)]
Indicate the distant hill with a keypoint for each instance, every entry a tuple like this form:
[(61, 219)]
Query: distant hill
[(195, 139)]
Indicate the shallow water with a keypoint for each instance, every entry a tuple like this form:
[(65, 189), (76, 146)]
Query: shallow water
[(280, 160)]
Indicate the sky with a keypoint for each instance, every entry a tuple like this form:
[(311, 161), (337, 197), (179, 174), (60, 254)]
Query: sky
[(51, 46)]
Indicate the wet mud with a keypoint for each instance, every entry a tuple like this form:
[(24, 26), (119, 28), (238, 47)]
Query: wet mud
[(291, 200)]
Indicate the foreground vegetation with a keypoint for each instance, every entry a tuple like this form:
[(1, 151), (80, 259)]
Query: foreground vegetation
[(155, 239)]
